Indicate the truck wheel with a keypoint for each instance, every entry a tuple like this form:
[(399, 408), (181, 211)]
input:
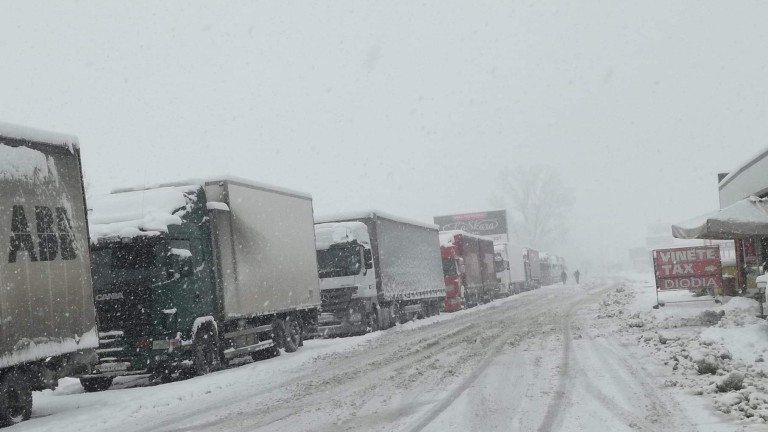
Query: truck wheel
[(292, 334), (15, 399), (206, 351), (98, 384)]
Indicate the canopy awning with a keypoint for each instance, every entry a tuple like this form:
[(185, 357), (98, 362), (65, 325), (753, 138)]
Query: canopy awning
[(742, 219)]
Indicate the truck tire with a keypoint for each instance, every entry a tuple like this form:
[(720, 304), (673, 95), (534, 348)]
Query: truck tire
[(97, 384), (206, 351), (15, 399), (292, 334)]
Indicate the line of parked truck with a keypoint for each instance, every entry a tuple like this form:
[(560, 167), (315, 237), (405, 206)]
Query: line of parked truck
[(182, 278)]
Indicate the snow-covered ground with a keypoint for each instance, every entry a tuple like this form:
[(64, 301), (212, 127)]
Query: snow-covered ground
[(713, 349), (584, 358)]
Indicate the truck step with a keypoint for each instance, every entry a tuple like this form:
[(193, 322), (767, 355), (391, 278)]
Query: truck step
[(238, 352)]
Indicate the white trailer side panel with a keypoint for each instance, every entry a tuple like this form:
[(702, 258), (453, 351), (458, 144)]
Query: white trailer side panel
[(46, 296), (409, 260), (516, 262), (265, 245)]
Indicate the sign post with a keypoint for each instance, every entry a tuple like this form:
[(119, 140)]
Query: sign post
[(688, 268)]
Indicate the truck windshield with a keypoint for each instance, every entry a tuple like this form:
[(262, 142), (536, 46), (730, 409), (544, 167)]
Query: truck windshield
[(116, 262), (449, 267), (134, 256), (339, 261)]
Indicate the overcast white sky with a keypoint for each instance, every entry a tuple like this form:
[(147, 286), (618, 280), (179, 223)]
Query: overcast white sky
[(410, 108)]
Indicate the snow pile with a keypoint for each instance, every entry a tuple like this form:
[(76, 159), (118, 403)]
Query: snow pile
[(371, 214), (134, 213), (715, 350), (327, 234), (448, 237), (26, 350), (22, 163), (25, 133)]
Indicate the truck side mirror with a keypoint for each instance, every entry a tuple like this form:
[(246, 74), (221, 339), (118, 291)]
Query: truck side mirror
[(368, 258)]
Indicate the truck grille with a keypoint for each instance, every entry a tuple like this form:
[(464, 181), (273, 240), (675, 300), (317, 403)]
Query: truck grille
[(336, 299), (125, 308)]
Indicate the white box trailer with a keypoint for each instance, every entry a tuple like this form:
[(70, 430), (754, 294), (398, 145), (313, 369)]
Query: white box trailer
[(48, 326), (510, 268), (265, 248)]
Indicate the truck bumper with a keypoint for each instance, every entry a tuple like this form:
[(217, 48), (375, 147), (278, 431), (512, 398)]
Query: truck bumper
[(330, 325), (344, 329), (343, 320)]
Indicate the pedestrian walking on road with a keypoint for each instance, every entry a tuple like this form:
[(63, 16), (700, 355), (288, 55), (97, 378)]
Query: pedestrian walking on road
[(576, 275), (564, 276)]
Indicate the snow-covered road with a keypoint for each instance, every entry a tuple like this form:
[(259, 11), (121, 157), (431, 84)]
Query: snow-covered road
[(541, 360)]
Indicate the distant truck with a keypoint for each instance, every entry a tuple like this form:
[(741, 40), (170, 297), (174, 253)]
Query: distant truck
[(191, 275), (47, 316), (532, 268), (552, 268), (510, 269), (375, 270), (468, 268)]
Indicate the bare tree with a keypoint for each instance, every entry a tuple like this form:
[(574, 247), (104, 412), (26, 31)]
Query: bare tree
[(538, 202)]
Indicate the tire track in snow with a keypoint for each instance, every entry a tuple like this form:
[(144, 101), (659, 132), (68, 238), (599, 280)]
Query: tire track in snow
[(555, 409)]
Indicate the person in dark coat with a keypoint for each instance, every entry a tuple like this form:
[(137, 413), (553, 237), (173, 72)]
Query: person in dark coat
[(576, 275), (564, 276)]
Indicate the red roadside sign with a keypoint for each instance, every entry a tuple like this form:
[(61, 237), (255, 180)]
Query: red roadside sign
[(688, 268)]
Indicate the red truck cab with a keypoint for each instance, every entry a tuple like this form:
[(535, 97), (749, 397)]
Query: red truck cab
[(453, 269)]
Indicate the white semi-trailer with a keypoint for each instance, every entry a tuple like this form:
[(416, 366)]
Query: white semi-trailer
[(376, 269), (47, 317), (510, 268)]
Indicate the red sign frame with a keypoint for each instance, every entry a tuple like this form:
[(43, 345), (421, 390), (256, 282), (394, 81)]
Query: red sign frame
[(688, 268)]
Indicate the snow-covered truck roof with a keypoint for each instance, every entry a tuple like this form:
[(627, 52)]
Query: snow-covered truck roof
[(139, 212), (372, 214), (447, 237), (24, 133), (327, 234), (206, 181)]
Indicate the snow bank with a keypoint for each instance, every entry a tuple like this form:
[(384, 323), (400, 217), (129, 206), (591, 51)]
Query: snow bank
[(327, 234), (714, 350), (144, 212)]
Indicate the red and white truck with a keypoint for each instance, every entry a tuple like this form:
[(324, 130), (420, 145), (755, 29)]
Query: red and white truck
[(468, 268)]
